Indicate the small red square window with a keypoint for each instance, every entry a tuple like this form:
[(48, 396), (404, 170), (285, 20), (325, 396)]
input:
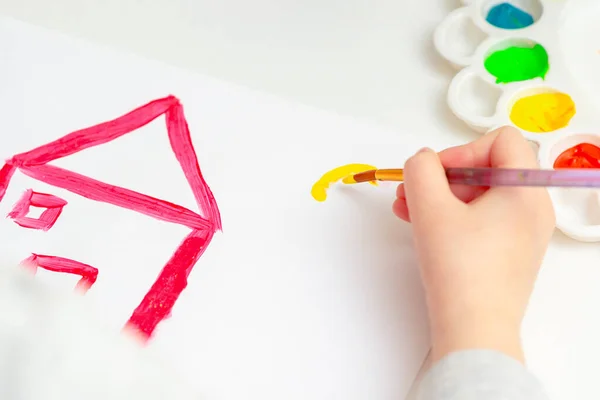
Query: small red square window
[(53, 207)]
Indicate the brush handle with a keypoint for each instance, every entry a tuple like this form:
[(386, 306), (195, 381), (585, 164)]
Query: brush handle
[(488, 177)]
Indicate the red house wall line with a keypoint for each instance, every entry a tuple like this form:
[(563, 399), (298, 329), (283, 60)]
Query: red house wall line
[(160, 299)]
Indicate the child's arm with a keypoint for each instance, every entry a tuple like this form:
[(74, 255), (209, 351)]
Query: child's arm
[(51, 348), (479, 252)]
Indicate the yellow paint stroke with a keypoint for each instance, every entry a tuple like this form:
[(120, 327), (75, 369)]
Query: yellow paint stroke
[(349, 179), (319, 189), (544, 112)]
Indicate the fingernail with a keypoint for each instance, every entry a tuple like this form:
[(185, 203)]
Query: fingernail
[(424, 150)]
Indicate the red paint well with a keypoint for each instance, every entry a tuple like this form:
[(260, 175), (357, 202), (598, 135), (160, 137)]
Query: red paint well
[(584, 155)]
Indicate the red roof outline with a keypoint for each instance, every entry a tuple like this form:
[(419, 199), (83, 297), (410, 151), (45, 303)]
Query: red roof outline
[(99, 134)]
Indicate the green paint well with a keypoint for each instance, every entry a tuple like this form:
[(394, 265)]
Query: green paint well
[(518, 63)]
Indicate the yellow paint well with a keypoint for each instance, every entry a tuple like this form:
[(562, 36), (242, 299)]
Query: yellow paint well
[(319, 189), (544, 112)]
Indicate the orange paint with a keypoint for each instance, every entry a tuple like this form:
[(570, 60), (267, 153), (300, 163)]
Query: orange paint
[(584, 155)]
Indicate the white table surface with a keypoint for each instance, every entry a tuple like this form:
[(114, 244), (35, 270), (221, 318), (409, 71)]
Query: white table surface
[(350, 57), (346, 56)]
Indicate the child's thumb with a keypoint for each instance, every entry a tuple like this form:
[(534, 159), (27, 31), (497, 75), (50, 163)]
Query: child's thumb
[(428, 193)]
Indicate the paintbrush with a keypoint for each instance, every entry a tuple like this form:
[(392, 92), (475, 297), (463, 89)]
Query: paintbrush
[(488, 177)]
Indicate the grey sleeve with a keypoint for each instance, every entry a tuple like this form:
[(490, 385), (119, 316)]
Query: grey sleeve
[(479, 375)]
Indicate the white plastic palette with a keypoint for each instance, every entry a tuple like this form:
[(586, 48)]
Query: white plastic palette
[(570, 33)]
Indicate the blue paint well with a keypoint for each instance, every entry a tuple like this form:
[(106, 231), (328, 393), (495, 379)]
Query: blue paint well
[(507, 16)]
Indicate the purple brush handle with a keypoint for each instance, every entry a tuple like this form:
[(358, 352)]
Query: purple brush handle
[(488, 177)]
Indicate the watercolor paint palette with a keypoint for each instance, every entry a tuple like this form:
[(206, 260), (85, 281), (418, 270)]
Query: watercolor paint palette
[(533, 64)]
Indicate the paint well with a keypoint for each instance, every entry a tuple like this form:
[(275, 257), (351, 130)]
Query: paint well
[(543, 112), (507, 16), (518, 63), (583, 155), (319, 189)]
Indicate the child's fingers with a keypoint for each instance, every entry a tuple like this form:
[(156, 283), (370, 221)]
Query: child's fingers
[(511, 150), (465, 156), (464, 193), (428, 193), (400, 209), (400, 192), (472, 155), (477, 154)]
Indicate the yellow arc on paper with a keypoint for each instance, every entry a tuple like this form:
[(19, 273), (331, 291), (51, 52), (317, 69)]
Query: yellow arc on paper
[(319, 189), (544, 112), (349, 180)]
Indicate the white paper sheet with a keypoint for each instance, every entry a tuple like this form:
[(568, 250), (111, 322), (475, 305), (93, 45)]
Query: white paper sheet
[(294, 299)]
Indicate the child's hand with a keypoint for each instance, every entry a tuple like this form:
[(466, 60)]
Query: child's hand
[(479, 250)]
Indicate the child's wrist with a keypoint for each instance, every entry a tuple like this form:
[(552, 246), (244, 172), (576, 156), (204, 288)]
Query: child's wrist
[(502, 334)]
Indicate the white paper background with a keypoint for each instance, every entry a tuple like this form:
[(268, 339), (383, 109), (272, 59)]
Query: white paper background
[(295, 299)]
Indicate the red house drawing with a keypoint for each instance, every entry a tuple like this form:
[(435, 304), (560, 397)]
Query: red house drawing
[(172, 280)]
